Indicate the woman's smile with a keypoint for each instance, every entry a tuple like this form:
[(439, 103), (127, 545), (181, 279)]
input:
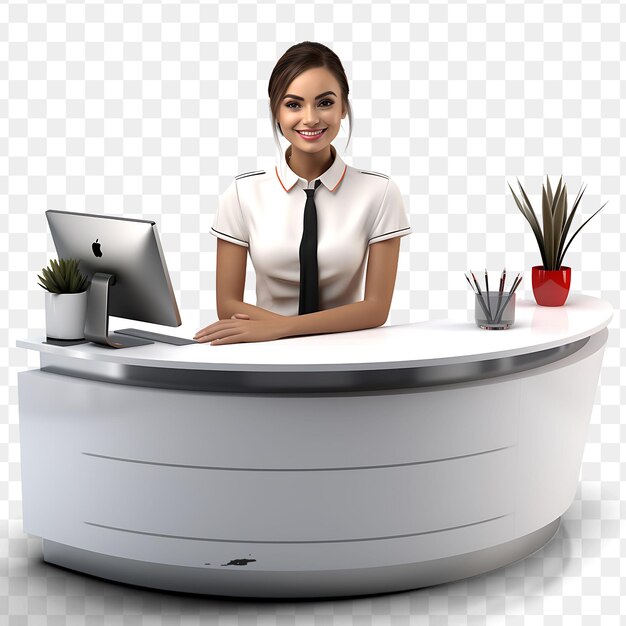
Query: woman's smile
[(311, 135)]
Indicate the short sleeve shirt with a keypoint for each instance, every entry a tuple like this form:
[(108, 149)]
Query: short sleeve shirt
[(263, 210)]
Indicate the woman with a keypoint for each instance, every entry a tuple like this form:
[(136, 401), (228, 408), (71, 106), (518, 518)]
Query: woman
[(310, 224)]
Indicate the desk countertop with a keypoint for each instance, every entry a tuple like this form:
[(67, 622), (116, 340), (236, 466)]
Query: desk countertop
[(431, 343)]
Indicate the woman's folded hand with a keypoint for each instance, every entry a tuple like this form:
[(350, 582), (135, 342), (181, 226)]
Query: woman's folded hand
[(241, 329)]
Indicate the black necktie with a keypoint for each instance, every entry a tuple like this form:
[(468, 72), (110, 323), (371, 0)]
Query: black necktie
[(309, 288)]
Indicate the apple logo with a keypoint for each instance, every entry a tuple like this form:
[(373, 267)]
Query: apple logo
[(96, 247)]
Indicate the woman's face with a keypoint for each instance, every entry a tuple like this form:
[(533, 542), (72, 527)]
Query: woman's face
[(312, 102)]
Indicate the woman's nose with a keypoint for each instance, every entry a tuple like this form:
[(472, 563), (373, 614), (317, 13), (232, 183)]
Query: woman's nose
[(310, 115)]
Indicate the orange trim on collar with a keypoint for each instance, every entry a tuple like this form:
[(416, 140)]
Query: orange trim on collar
[(344, 173), (277, 176)]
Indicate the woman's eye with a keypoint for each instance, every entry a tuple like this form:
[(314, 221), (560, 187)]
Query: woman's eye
[(330, 102)]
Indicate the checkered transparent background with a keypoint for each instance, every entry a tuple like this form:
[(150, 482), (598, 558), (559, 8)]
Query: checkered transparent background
[(149, 109)]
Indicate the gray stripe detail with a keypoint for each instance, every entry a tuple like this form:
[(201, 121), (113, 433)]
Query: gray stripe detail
[(426, 532), (291, 469), (374, 174), (400, 230), (246, 174), (219, 232)]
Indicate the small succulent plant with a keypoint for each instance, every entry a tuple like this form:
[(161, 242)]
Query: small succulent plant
[(556, 222), (63, 276)]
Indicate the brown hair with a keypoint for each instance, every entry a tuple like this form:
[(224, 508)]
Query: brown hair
[(297, 60)]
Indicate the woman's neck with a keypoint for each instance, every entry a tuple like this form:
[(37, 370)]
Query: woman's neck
[(309, 166)]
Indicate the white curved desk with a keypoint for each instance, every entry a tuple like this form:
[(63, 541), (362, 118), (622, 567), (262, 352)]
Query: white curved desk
[(341, 464)]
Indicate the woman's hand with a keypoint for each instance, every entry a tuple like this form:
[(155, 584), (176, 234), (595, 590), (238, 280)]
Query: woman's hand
[(240, 329)]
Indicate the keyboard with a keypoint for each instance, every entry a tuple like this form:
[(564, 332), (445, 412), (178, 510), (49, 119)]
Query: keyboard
[(157, 337)]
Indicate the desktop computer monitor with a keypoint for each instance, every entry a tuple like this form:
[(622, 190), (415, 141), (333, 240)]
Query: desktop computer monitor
[(124, 261)]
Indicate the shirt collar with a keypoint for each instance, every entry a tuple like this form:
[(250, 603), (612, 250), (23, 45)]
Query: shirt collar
[(330, 178)]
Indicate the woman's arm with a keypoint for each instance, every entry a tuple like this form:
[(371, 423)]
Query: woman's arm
[(231, 281), (373, 311)]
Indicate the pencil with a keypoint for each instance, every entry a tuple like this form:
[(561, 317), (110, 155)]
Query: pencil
[(487, 288), (480, 298), (516, 282), (470, 283), (500, 289)]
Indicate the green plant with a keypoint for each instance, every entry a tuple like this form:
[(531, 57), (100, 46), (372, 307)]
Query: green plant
[(556, 222), (63, 276)]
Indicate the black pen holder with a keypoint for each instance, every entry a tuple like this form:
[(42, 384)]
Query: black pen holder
[(489, 312)]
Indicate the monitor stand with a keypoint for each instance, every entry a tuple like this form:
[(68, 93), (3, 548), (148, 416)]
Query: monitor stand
[(97, 323)]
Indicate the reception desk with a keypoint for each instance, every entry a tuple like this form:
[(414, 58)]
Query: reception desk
[(328, 465)]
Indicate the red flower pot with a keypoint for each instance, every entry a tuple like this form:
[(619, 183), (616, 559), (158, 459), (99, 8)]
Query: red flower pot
[(551, 287)]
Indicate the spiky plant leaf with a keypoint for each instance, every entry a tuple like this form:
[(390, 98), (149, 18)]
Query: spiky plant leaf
[(559, 190), (73, 283), (528, 205), (51, 278), (532, 220), (548, 239), (63, 276), (564, 216), (568, 223), (550, 196), (579, 229), (47, 285), (560, 210), (557, 208)]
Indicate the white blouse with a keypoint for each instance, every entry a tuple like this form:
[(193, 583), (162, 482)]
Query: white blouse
[(264, 211)]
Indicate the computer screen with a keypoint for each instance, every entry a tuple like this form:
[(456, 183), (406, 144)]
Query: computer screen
[(124, 260)]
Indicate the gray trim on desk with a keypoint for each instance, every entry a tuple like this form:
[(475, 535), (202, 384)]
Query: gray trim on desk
[(306, 382)]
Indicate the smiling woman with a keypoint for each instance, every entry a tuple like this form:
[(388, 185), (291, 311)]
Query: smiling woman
[(315, 227)]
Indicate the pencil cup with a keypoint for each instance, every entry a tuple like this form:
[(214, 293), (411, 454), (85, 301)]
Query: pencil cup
[(489, 312)]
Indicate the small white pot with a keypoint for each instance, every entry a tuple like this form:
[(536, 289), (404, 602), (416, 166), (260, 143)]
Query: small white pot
[(65, 315)]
